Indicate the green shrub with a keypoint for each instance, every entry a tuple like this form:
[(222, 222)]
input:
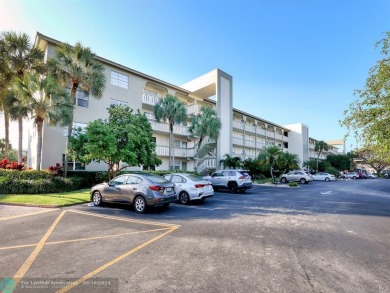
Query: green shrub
[(293, 184), (26, 174)]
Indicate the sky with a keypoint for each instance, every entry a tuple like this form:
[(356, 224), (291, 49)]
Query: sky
[(291, 60)]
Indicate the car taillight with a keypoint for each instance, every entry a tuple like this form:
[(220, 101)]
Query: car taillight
[(156, 188), (242, 177), (199, 185)]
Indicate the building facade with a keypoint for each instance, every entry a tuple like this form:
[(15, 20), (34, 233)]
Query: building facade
[(242, 134)]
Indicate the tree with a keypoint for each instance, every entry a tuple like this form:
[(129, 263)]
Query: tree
[(340, 161), (204, 124), (231, 162), (310, 165), (170, 109), (375, 157), (269, 157), (369, 115), (78, 68), (46, 100), (320, 146), (20, 57), (288, 161), (124, 137)]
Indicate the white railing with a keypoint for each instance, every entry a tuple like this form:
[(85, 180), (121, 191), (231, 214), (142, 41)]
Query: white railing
[(250, 128), (150, 116), (238, 141), (239, 125), (149, 98), (178, 152), (193, 109), (164, 127), (250, 143)]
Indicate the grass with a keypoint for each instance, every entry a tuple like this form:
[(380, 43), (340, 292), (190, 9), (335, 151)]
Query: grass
[(49, 199)]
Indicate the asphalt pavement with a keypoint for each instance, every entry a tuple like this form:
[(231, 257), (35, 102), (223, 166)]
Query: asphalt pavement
[(319, 237)]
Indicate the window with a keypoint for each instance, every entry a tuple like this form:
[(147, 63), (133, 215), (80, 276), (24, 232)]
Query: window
[(81, 98), (178, 179), (119, 79), (118, 103), (119, 180), (133, 180)]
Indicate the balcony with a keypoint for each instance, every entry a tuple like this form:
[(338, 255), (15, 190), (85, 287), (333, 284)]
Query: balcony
[(207, 164), (238, 125), (164, 127), (163, 151), (193, 109), (149, 98)]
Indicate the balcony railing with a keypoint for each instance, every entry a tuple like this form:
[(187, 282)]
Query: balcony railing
[(150, 99), (178, 152), (207, 164), (164, 127), (193, 109)]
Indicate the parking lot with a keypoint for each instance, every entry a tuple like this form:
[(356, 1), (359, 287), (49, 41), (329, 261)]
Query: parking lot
[(319, 237)]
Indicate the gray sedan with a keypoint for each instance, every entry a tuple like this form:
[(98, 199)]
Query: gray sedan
[(298, 176), (140, 190)]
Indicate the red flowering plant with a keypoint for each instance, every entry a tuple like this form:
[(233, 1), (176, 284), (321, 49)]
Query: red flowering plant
[(57, 170), (5, 164)]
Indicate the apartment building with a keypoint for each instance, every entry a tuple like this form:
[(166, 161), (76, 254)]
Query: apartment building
[(242, 134)]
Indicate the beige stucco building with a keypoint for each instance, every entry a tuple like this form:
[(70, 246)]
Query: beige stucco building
[(242, 134)]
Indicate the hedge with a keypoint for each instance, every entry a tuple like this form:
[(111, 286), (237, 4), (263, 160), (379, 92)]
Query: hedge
[(38, 186)]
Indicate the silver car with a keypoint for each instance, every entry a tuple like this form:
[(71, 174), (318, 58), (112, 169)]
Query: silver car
[(233, 180), (298, 176), (139, 190), (321, 176), (190, 187)]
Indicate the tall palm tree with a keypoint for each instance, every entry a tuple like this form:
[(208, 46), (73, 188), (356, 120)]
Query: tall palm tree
[(320, 146), (78, 68), (206, 123), (288, 161), (5, 84), (270, 156), (46, 100), (21, 57), (170, 109)]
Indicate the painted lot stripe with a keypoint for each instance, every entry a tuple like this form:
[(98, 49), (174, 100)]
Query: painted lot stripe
[(114, 261), (27, 215), (126, 220), (83, 239), (27, 264)]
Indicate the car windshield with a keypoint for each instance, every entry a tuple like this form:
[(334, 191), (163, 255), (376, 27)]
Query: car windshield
[(156, 179), (195, 178)]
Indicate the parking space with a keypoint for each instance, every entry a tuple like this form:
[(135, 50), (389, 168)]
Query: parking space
[(71, 247)]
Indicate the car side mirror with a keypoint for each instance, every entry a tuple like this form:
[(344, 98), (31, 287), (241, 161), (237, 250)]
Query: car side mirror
[(110, 183)]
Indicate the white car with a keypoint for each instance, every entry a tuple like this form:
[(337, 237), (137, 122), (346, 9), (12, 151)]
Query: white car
[(299, 176), (190, 187), (321, 176), (371, 176), (351, 175)]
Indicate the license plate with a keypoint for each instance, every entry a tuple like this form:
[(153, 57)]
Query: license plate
[(207, 187), (168, 189)]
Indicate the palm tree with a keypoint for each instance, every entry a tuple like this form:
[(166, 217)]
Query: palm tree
[(46, 100), (288, 161), (170, 109), (270, 156), (78, 68), (206, 123), (231, 162), (320, 146), (20, 57)]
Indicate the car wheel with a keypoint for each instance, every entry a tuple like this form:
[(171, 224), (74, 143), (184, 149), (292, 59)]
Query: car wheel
[(97, 198), (303, 181), (139, 204), (283, 180), (184, 198), (232, 186), (327, 179), (354, 177)]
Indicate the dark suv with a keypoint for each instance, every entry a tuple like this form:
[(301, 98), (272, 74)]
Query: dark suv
[(233, 180)]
